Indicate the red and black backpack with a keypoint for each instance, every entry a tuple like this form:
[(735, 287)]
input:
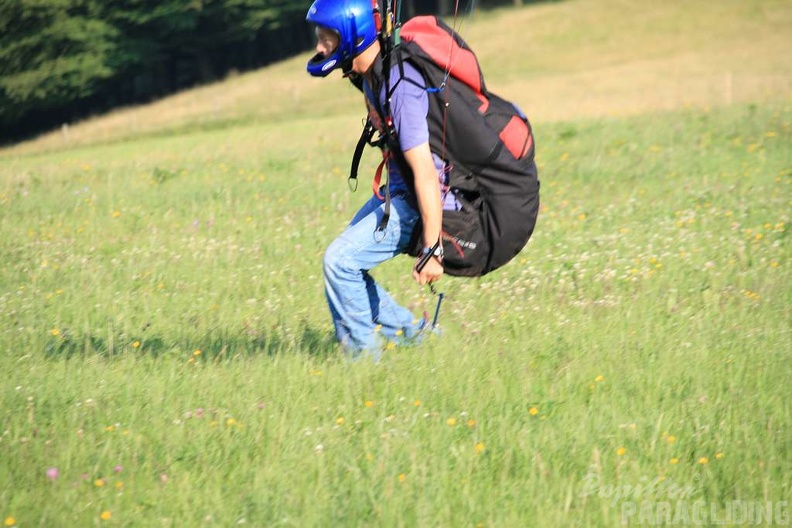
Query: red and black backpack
[(486, 141)]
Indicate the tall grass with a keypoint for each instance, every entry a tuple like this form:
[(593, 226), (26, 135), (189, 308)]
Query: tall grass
[(167, 356), (164, 313)]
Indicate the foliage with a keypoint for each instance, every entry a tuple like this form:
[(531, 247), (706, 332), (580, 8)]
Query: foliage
[(90, 54), (51, 53)]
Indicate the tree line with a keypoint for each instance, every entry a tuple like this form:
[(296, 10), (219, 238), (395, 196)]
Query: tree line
[(62, 60)]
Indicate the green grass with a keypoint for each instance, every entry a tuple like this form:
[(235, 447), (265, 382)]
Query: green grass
[(166, 346)]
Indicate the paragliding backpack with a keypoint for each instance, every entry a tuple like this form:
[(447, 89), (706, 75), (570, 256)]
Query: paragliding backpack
[(485, 140)]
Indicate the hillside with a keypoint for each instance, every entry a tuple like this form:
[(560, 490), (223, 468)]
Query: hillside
[(559, 61)]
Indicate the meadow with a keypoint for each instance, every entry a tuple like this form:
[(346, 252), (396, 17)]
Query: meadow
[(168, 358)]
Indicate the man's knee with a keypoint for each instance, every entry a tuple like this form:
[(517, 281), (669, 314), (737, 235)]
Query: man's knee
[(335, 261)]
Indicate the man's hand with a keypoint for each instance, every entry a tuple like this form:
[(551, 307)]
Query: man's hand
[(432, 272)]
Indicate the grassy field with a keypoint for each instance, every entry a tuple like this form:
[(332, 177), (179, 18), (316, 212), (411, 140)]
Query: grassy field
[(168, 358)]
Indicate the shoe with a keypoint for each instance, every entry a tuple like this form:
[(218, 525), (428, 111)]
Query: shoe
[(425, 331)]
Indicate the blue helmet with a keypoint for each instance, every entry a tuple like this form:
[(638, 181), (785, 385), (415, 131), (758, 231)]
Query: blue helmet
[(354, 23)]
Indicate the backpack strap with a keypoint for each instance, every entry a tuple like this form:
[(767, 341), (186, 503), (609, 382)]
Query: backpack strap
[(382, 69), (389, 138)]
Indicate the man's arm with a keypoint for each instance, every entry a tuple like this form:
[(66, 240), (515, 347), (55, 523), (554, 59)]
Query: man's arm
[(427, 192)]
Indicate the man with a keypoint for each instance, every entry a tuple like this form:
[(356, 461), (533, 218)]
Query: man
[(365, 316)]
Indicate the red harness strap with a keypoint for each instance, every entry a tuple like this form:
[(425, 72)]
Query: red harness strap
[(375, 185)]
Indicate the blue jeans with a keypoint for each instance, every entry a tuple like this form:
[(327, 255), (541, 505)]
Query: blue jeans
[(365, 316)]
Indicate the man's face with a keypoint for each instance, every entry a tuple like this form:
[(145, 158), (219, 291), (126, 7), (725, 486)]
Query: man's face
[(326, 41)]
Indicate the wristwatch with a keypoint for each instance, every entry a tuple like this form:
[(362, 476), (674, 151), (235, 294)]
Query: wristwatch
[(436, 252)]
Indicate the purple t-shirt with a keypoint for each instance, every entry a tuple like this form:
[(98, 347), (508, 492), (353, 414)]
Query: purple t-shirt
[(409, 106)]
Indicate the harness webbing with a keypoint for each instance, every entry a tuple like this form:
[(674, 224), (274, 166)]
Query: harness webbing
[(365, 139)]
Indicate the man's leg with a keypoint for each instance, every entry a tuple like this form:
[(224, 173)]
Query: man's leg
[(357, 304)]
